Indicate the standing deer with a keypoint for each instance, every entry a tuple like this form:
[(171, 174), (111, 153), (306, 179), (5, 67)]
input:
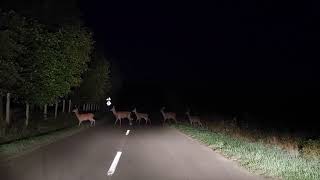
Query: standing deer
[(168, 115), (121, 115), (142, 116), (85, 117), (193, 119)]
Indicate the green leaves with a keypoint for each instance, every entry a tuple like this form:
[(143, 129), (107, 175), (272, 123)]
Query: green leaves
[(41, 65), (96, 82)]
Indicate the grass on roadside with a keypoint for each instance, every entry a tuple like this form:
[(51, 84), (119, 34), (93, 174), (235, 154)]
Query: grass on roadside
[(17, 129), (21, 146), (256, 156)]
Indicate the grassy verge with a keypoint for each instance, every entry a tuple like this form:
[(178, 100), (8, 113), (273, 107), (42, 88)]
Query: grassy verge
[(256, 156), (37, 126), (17, 148)]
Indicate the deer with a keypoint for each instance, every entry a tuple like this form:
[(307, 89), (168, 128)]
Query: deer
[(84, 117), (168, 115), (193, 119), (141, 116), (121, 115)]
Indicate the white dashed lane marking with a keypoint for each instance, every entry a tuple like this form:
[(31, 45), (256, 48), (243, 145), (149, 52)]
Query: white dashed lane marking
[(116, 159), (114, 164)]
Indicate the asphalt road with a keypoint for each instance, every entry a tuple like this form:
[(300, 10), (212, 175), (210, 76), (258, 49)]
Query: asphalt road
[(148, 152)]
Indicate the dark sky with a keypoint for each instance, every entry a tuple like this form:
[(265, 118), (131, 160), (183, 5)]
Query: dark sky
[(219, 49)]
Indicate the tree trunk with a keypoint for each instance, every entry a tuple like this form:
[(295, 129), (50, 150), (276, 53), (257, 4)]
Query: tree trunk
[(56, 110), (69, 109), (27, 113), (8, 109), (1, 108), (63, 105), (45, 111)]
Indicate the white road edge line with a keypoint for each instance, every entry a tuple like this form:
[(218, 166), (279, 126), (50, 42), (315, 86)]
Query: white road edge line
[(114, 163), (127, 133)]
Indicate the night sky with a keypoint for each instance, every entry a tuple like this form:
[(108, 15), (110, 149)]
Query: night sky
[(227, 54)]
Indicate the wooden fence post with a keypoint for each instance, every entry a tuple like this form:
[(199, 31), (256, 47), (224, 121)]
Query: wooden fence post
[(8, 109), (69, 109), (1, 107), (45, 111), (56, 110), (27, 114), (87, 107), (63, 105)]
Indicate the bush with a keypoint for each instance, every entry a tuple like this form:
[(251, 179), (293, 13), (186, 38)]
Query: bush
[(296, 146), (311, 149)]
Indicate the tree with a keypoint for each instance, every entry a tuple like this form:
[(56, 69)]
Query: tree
[(39, 65), (61, 60), (53, 13), (10, 50), (96, 81)]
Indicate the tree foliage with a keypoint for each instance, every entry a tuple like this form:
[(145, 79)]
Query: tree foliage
[(96, 82), (53, 13), (61, 60), (40, 64)]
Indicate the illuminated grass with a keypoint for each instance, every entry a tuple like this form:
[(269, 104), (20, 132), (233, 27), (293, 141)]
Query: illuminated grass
[(20, 147), (257, 157)]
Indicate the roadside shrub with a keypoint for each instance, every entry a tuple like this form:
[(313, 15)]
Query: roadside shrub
[(296, 146), (311, 149)]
